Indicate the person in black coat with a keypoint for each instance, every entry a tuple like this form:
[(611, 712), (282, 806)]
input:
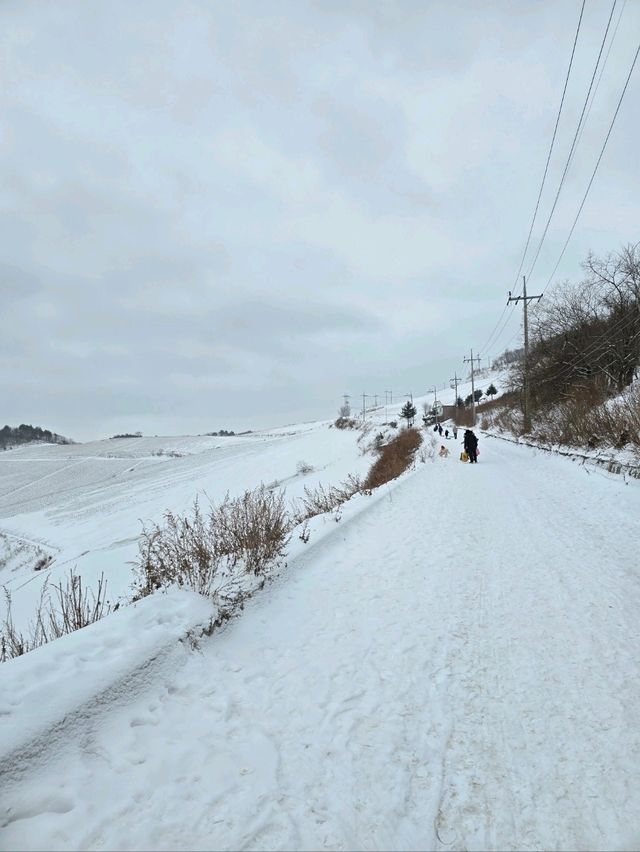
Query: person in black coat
[(471, 445)]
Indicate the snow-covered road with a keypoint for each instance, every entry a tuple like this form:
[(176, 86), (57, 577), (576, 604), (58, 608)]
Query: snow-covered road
[(455, 667)]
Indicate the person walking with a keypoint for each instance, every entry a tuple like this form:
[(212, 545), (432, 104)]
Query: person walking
[(455, 433), (446, 434), (471, 446)]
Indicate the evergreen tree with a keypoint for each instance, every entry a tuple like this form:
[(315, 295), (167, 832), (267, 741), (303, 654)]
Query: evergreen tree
[(477, 394), (491, 390), (408, 412)]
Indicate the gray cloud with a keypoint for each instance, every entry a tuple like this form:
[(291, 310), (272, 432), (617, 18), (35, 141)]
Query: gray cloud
[(229, 214)]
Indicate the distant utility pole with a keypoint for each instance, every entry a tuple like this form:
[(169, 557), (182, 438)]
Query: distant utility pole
[(473, 387), (347, 397), (525, 300), (455, 381), (434, 391), (410, 395), (390, 397), (365, 397), (375, 397)]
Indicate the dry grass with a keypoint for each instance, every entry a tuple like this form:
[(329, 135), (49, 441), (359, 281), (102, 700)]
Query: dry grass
[(317, 501), (63, 609), (394, 458), (585, 418), (209, 552)]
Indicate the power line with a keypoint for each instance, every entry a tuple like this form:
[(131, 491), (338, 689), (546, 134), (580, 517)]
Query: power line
[(592, 349), (604, 145), (508, 319), (604, 65), (490, 339), (553, 139), (544, 177), (596, 348), (573, 144)]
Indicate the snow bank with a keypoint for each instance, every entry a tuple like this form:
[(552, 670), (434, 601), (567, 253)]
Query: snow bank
[(43, 689)]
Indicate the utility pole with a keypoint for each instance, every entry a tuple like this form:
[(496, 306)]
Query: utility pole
[(375, 396), (455, 381), (525, 301), (473, 387), (347, 404), (365, 396), (434, 391), (388, 399)]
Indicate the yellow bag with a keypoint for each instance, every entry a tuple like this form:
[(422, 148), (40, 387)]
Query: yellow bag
[(463, 456)]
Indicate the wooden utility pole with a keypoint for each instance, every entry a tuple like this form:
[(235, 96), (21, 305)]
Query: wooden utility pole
[(434, 391), (455, 380), (525, 301), (388, 400), (472, 360), (347, 405), (365, 396)]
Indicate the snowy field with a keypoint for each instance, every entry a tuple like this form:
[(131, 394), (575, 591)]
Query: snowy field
[(452, 666), (82, 505)]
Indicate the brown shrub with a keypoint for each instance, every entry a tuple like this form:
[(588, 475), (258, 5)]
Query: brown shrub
[(464, 417), (587, 418), (395, 457)]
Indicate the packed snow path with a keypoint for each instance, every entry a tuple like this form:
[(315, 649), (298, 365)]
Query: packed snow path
[(454, 668)]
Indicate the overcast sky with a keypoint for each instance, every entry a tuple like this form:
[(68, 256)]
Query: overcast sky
[(228, 214)]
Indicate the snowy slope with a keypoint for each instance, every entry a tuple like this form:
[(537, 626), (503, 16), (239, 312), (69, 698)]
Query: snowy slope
[(453, 667), (83, 504)]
